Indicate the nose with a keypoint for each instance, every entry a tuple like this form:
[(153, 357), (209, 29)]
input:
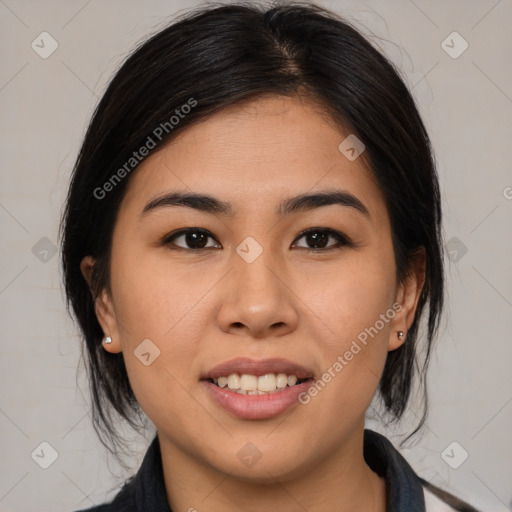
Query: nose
[(256, 300)]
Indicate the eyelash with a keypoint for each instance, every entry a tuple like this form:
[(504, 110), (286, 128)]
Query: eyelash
[(342, 240)]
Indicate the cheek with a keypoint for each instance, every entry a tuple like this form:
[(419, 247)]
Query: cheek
[(349, 298), (153, 302), (352, 305), (155, 298)]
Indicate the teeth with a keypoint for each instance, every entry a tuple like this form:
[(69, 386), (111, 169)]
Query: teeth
[(267, 382), (233, 381), (251, 385), (281, 380), (248, 382)]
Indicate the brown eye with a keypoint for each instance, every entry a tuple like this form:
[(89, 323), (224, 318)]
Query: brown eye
[(193, 239), (322, 238)]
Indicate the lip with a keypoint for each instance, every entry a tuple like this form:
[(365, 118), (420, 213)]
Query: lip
[(257, 407), (249, 366)]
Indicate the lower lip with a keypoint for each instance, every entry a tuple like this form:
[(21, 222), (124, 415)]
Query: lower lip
[(257, 407)]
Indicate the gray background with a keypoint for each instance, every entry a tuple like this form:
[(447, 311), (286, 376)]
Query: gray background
[(46, 104)]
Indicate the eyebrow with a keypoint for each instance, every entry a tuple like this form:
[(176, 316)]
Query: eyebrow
[(303, 202)]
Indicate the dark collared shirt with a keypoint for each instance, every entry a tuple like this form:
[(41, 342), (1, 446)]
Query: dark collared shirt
[(145, 492)]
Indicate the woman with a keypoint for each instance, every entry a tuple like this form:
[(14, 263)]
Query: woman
[(251, 238)]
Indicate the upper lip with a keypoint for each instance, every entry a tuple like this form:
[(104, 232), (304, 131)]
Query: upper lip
[(249, 366)]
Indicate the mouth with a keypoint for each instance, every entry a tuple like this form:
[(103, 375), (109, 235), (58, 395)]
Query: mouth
[(247, 384), (253, 390)]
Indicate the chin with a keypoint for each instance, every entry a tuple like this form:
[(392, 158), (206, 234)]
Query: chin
[(254, 467)]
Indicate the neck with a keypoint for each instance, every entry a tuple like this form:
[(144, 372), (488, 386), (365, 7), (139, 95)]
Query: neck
[(342, 482)]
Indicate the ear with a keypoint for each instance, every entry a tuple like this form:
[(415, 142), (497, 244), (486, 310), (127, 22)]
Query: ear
[(407, 296), (104, 308)]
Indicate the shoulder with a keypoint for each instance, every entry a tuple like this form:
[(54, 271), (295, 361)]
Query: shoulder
[(438, 500), (435, 504), (405, 488)]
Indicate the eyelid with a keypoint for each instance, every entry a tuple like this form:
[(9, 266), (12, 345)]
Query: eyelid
[(168, 239), (343, 240)]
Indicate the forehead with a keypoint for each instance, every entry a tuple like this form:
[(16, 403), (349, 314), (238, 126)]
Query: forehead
[(255, 153)]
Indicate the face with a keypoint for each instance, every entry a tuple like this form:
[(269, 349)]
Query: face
[(259, 271)]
